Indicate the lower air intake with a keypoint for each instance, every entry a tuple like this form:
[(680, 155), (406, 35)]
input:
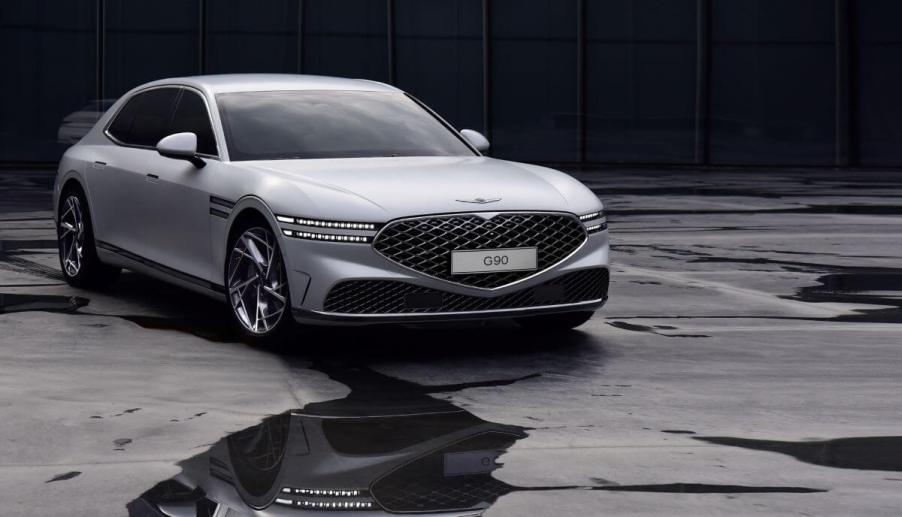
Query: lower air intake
[(396, 297)]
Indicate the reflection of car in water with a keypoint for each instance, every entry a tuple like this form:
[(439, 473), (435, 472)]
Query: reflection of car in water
[(403, 453), (77, 124)]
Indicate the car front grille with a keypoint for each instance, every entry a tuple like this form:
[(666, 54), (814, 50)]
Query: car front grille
[(425, 244), (424, 485), (397, 297)]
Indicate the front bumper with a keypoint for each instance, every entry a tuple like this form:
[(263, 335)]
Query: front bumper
[(316, 268)]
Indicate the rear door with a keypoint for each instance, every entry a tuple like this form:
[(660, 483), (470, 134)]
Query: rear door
[(117, 185)]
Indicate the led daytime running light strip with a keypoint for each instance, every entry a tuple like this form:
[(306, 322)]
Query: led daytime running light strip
[(322, 492), (326, 224), (589, 217), (336, 495), (328, 505), (597, 228), (326, 236)]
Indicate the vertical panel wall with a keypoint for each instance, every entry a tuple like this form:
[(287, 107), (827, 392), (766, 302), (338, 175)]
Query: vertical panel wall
[(641, 80), (879, 79), (773, 82), (534, 75), (48, 58), (145, 41), (347, 38), (251, 36), (438, 56), (594, 81)]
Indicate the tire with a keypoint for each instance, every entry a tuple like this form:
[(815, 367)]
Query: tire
[(257, 284), (555, 322), (75, 240)]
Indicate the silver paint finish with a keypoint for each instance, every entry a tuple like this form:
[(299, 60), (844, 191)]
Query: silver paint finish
[(159, 208)]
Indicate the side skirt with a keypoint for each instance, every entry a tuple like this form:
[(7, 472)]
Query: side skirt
[(139, 264)]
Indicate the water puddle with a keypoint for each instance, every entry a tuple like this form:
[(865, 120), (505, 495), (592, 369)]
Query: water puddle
[(389, 446), (851, 209), (635, 327), (38, 302), (864, 287), (863, 453)]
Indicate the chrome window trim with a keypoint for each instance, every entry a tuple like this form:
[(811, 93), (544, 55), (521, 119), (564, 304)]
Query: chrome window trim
[(177, 86), (445, 123), (477, 214)]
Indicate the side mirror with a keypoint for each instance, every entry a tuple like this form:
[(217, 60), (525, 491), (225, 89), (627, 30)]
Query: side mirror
[(181, 146), (476, 139)]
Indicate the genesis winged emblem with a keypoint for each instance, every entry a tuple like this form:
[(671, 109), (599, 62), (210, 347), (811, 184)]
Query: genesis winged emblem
[(479, 200)]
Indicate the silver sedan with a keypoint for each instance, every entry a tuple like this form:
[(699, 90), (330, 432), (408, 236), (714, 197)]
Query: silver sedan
[(324, 200)]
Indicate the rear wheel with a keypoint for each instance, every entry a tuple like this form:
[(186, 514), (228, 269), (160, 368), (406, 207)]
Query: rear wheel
[(555, 322), (257, 283), (75, 238)]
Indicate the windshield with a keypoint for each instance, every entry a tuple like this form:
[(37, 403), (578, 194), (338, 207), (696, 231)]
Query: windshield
[(283, 125)]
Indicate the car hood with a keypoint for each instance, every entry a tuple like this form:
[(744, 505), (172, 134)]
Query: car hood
[(376, 189)]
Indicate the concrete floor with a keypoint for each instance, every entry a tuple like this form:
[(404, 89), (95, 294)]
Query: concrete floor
[(749, 362)]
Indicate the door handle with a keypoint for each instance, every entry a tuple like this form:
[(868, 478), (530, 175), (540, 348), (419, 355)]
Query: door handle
[(152, 178), (99, 165)]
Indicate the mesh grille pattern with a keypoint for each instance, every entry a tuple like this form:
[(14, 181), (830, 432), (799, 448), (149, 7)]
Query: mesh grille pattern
[(393, 297), (423, 486), (425, 245)]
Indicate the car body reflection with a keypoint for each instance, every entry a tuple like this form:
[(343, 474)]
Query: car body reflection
[(405, 453)]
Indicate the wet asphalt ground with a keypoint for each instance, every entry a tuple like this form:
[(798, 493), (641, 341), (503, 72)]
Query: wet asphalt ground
[(749, 362)]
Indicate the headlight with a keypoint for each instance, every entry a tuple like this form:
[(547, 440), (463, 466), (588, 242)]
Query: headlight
[(594, 221), (326, 499), (326, 224), (331, 231)]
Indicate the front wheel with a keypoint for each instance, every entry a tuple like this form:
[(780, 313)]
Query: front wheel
[(257, 283), (554, 322), (75, 238)]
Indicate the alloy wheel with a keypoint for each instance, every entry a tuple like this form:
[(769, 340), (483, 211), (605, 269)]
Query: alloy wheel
[(72, 236), (256, 281)]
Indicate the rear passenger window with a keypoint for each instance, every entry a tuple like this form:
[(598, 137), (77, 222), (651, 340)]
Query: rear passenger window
[(144, 120), (191, 117)]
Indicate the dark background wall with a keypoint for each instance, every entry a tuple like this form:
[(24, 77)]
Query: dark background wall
[(710, 82)]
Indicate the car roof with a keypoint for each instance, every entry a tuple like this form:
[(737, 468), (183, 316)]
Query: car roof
[(230, 83)]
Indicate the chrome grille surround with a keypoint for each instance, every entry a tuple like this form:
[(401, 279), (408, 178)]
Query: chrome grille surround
[(424, 244)]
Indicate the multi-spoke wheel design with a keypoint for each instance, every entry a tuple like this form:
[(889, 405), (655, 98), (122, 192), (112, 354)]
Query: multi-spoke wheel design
[(256, 281), (71, 236), (75, 238)]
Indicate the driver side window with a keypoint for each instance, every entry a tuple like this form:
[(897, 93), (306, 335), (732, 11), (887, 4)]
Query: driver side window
[(151, 115), (191, 117), (144, 120)]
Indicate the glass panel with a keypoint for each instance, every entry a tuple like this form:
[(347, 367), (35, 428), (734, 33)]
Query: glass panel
[(640, 80), (146, 41), (880, 82), (252, 36), (48, 88), (346, 38), (534, 80), (332, 124), (773, 82), (145, 118), (191, 116), (438, 56)]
